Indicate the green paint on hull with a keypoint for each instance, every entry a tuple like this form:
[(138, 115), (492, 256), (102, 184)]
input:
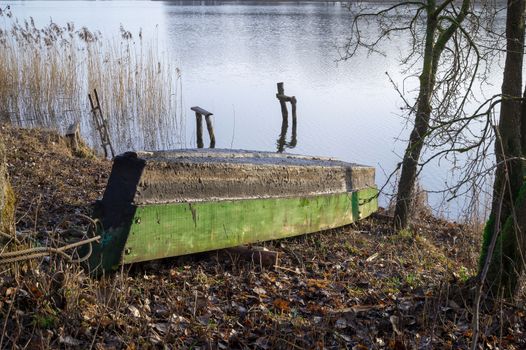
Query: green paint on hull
[(164, 230)]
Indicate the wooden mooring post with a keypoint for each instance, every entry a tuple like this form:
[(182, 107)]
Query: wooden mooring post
[(283, 99), (199, 112), (73, 136)]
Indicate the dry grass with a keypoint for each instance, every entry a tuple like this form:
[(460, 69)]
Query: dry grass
[(47, 73), (340, 289)]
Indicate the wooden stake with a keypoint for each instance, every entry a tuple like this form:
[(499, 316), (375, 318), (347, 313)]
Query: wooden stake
[(199, 112), (282, 136), (199, 128), (293, 104), (73, 136), (210, 128), (283, 104)]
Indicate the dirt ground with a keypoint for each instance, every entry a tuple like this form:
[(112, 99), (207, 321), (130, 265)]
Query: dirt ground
[(357, 287)]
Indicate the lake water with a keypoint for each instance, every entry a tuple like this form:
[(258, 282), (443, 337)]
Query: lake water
[(232, 55)]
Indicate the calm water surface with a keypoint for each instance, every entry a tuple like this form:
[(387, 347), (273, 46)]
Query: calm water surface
[(232, 55)]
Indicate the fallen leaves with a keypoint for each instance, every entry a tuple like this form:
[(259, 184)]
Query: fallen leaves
[(50, 182), (259, 291), (317, 283), (134, 311), (281, 305)]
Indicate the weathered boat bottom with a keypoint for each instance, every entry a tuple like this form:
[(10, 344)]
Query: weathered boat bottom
[(167, 230)]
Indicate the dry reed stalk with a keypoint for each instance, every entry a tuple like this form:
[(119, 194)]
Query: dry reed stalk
[(47, 73)]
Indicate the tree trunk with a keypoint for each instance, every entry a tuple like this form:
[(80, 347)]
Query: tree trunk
[(505, 218), (432, 53), (507, 262), (523, 122), (417, 137)]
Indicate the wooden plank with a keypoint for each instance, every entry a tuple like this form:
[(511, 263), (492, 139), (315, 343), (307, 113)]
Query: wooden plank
[(284, 97), (164, 230), (202, 111)]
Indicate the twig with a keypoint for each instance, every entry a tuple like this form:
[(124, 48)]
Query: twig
[(8, 236), (291, 344), (94, 336), (195, 304), (287, 269), (7, 317)]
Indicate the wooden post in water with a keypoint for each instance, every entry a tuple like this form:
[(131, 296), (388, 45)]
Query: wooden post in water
[(199, 128), (293, 137), (210, 128), (282, 142), (293, 104), (283, 99), (280, 95), (199, 112)]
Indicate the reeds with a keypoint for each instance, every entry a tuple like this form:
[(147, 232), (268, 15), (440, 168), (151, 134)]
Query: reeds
[(47, 73)]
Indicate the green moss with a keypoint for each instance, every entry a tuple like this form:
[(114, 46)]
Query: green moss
[(406, 233), (502, 275), (411, 279), (486, 240), (505, 267), (44, 321), (490, 225), (463, 274), (522, 193)]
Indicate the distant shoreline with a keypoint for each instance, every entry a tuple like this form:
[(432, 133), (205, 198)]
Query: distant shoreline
[(200, 2), (195, 2)]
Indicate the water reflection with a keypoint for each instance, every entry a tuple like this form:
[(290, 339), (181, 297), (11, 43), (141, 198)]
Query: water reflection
[(282, 143)]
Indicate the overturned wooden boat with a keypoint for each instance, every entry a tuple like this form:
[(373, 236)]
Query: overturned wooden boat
[(170, 203)]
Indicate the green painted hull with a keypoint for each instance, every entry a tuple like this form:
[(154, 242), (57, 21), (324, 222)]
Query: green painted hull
[(165, 230), (170, 203)]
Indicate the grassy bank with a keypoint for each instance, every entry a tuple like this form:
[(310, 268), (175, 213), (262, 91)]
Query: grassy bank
[(357, 287)]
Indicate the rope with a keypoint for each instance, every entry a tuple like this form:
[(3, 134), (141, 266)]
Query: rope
[(39, 252)]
